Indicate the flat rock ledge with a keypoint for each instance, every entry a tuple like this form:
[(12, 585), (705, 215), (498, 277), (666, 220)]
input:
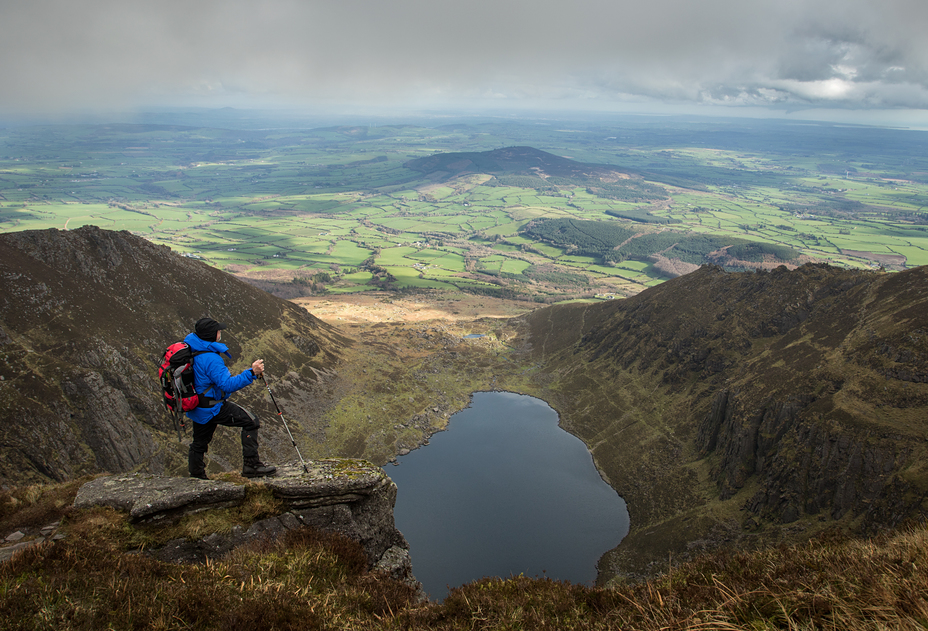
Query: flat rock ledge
[(350, 497)]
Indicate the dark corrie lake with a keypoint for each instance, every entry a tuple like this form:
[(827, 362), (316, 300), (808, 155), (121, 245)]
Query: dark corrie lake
[(504, 491)]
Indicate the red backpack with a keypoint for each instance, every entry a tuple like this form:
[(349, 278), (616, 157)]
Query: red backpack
[(176, 375)]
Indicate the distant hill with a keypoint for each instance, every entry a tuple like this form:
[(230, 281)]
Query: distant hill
[(511, 160), (85, 315), (527, 167), (747, 409)]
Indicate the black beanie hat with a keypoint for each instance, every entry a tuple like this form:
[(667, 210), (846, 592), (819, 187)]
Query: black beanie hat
[(207, 328)]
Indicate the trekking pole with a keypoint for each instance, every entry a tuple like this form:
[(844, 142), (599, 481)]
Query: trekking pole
[(179, 425), (281, 415)]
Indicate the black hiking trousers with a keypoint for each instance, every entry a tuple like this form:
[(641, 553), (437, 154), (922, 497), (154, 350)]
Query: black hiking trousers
[(230, 415)]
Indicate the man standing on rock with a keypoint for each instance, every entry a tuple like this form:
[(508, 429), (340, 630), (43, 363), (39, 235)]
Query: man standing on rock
[(214, 383)]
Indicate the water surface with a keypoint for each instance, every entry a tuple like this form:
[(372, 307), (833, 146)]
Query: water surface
[(504, 491)]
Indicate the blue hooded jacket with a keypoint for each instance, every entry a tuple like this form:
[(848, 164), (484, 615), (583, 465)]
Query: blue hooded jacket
[(211, 378)]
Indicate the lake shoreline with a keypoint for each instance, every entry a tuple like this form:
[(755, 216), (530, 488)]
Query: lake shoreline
[(510, 492)]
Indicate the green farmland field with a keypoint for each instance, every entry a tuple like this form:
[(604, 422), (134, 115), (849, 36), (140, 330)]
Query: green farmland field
[(357, 205)]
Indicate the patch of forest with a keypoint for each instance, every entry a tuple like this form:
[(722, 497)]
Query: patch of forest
[(625, 190), (614, 243), (641, 216)]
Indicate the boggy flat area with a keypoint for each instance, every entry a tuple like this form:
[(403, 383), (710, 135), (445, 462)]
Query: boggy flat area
[(357, 310), (410, 366)]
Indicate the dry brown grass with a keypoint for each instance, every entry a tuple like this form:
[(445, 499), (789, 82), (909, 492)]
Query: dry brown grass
[(831, 583), (37, 505), (95, 579)]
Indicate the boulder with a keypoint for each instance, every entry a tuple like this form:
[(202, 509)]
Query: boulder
[(151, 498)]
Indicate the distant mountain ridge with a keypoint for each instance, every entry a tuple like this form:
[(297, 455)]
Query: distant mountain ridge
[(84, 317)]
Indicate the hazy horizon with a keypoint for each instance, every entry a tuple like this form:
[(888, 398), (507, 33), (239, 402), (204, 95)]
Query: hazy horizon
[(854, 61)]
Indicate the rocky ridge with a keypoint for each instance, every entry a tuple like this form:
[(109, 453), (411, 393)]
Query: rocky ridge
[(744, 409), (350, 497), (84, 317)]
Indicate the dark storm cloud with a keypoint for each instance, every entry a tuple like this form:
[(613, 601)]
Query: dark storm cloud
[(60, 55)]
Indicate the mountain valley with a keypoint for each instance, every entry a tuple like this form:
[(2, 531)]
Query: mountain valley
[(728, 409)]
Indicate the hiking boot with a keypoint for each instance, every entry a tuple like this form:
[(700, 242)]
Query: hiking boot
[(200, 476), (256, 468)]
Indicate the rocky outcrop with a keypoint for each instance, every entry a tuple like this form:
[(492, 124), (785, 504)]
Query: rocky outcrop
[(152, 498), (350, 497), (808, 465), (744, 439), (26, 538), (101, 411)]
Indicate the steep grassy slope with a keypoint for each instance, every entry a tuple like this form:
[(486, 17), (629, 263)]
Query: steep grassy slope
[(743, 409), (85, 316)]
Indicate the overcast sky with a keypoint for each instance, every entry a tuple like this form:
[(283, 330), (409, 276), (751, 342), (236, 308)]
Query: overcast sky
[(866, 57)]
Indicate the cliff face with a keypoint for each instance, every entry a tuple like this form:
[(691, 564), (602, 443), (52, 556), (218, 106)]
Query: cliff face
[(807, 466), (827, 416), (739, 408), (84, 318)]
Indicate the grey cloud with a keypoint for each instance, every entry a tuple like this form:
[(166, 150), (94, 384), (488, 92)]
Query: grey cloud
[(63, 54)]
